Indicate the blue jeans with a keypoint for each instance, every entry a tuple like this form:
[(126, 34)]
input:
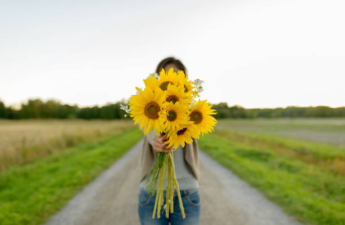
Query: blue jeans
[(191, 203)]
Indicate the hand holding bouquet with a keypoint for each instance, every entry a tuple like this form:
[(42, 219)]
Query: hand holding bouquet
[(167, 104)]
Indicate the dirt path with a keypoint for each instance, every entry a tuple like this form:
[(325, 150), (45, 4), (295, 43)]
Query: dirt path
[(112, 198)]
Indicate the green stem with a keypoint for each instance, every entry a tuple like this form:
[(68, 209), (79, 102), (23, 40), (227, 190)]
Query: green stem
[(153, 175)]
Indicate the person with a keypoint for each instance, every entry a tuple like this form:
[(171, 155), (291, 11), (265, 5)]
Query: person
[(186, 169)]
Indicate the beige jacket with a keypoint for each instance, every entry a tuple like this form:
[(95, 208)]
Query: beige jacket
[(148, 156)]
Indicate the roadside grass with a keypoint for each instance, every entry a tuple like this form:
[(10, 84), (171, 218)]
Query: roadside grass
[(319, 130), (31, 193), (277, 124), (306, 179)]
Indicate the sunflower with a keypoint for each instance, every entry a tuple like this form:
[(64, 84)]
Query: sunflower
[(151, 82), (146, 108), (167, 78), (188, 85), (200, 114), (174, 116), (183, 136), (176, 94)]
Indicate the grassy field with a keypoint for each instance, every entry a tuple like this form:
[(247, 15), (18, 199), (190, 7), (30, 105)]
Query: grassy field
[(31, 193), (307, 179), (23, 141), (327, 130)]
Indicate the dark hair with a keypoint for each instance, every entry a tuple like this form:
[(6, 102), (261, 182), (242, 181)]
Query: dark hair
[(169, 60)]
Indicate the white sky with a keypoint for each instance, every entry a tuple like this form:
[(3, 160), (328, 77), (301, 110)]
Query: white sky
[(263, 53)]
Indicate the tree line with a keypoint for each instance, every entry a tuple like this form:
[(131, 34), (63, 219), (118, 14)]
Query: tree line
[(38, 109), (225, 111)]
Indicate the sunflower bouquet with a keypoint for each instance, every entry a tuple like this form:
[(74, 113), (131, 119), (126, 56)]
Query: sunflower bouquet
[(168, 106)]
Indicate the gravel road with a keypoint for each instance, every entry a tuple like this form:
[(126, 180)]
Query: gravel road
[(225, 199)]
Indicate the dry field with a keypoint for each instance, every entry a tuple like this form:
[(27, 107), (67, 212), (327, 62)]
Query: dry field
[(26, 140)]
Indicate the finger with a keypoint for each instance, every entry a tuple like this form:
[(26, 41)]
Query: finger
[(166, 143), (166, 147), (161, 149), (157, 141), (163, 137), (157, 147)]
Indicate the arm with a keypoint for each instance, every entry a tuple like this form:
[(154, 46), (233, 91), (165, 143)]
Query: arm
[(150, 136)]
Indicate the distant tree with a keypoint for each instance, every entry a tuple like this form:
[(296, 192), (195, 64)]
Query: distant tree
[(3, 112), (222, 110)]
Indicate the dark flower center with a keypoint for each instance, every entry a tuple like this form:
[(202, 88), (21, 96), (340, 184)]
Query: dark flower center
[(196, 116), (172, 98), (164, 85), (151, 110), (171, 115), (180, 132)]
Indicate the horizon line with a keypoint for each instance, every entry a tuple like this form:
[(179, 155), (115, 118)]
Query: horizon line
[(17, 106)]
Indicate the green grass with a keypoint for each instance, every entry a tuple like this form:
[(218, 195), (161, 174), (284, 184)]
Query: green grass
[(269, 124), (321, 130), (30, 194), (306, 179)]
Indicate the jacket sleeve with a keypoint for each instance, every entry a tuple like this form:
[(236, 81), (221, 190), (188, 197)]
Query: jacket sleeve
[(150, 135)]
